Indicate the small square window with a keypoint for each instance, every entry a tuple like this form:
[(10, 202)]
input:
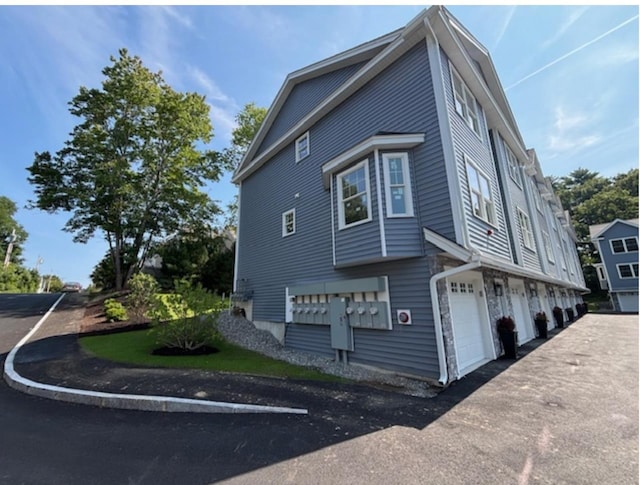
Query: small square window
[(289, 223), (454, 287), (302, 147)]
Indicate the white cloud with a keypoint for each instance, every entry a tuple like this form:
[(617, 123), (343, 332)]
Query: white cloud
[(572, 131)]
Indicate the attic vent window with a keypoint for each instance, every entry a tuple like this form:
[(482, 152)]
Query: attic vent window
[(302, 147)]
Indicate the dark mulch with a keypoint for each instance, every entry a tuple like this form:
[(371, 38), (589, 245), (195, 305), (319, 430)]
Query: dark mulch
[(204, 350)]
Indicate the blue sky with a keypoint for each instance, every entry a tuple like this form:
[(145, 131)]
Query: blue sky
[(570, 74)]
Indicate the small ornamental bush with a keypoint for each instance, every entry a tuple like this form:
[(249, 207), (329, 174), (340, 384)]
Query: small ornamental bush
[(142, 298), (506, 324), (114, 311), (187, 320), (541, 316)]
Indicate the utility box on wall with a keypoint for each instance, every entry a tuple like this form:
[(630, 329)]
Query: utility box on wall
[(341, 332)]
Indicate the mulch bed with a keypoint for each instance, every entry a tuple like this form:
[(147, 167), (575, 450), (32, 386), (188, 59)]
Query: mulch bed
[(95, 322)]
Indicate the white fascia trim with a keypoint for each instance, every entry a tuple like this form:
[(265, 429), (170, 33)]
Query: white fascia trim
[(480, 85), (465, 255), (377, 142), (446, 138), (392, 52), (448, 246), (383, 237), (237, 255), (339, 61), (610, 225)]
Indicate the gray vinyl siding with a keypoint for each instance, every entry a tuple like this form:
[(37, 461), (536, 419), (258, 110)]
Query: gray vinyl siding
[(303, 98), (618, 231), (402, 234), (405, 348), (398, 100), (518, 201), (361, 243), (467, 142)]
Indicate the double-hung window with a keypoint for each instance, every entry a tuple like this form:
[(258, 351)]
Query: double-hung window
[(465, 102), (626, 271), (514, 170), (397, 185), (289, 223), (302, 147), (354, 196), (480, 193), (547, 246), (626, 245), (525, 227), (536, 195)]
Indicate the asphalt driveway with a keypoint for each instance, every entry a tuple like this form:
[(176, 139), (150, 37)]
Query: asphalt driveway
[(565, 413)]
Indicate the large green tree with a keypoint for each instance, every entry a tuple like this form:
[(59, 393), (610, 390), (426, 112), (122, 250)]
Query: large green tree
[(248, 120), (8, 225), (132, 169)]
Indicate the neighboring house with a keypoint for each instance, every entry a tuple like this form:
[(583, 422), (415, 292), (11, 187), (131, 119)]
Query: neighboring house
[(617, 243), (389, 212)]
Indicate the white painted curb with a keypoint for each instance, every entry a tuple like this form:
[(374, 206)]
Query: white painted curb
[(123, 401)]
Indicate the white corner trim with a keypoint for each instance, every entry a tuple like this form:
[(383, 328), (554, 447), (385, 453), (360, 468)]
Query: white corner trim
[(383, 237), (237, 255), (333, 225), (446, 137)]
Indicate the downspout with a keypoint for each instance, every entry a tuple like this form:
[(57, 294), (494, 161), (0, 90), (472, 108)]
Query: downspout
[(437, 318)]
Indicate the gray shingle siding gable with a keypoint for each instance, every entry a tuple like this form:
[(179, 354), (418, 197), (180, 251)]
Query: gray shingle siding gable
[(303, 98), (399, 100), (618, 231), (467, 142)]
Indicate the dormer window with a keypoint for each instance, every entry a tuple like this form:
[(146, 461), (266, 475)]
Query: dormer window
[(302, 147)]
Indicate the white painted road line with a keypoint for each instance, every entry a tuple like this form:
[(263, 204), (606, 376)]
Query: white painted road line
[(123, 401)]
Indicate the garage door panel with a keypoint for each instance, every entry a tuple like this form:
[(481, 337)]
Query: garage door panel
[(467, 324), (628, 302)]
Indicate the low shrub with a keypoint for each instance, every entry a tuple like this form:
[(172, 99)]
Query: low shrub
[(187, 320), (142, 298), (115, 311)]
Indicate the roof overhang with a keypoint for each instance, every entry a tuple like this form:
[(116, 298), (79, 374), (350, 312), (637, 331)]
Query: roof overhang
[(600, 229), (377, 142), (488, 261)]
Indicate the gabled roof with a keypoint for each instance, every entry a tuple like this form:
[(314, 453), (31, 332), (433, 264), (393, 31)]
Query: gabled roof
[(597, 230), (469, 56)]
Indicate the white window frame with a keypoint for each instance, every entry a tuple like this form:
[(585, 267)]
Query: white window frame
[(406, 175), (285, 232), (537, 198), (465, 102), (526, 229), (341, 221), (632, 267), (484, 216), (548, 248), (303, 137), (514, 168), (624, 245), (569, 258)]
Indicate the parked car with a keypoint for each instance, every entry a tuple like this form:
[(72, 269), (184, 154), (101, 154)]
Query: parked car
[(72, 287)]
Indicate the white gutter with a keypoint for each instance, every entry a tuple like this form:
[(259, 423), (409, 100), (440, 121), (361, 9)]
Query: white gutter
[(437, 319)]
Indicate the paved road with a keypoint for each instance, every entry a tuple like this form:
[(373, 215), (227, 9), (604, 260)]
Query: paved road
[(565, 413)]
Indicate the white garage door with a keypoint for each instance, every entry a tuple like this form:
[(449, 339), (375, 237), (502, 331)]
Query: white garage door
[(469, 328), (521, 313), (628, 302)]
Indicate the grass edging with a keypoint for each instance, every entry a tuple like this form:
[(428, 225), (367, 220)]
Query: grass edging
[(135, 347)]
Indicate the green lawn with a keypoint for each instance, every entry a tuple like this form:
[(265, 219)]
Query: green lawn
[(134, 347)]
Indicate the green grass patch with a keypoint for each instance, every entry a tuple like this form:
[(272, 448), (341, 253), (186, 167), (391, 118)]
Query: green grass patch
[(135, 347)]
